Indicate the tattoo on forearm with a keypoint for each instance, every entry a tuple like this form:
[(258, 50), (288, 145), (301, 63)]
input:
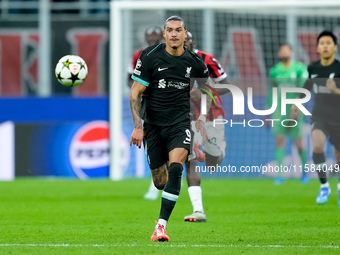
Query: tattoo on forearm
[(136, 106)]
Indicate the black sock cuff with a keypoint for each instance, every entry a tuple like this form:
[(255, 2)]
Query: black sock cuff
[(175, 170), (177, 165), (173, 185), (319, 158)]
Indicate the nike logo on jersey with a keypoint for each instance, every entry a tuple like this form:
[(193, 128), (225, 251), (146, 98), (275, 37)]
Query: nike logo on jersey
[(331, 75), (313, 75), (162, 69)]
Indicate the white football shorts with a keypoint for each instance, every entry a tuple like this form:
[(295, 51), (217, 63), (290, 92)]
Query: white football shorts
[(216, 143)]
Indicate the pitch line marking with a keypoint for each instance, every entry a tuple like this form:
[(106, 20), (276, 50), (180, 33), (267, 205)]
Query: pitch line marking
[(171, 245)]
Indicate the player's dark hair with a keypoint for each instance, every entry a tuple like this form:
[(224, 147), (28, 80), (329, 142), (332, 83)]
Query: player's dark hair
[(189, 34), (328, 33), (174, 17), (286, 44), (153, 29)]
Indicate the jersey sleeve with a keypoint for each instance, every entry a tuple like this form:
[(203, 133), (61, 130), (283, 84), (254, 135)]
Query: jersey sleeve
[(142, 72), (135, 58), (215, 69), (204, 72), (201, 76)]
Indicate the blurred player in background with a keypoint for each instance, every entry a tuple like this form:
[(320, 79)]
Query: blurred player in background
[(163, 74), (214, 148), (324, 80), (287, 73), (153, 35)]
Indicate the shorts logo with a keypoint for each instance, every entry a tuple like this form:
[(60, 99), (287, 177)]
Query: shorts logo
[(188, 138)]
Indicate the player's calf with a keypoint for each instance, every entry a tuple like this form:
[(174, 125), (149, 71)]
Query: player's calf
[(213, 160), (170, 193), (160, 176), (193, 176)]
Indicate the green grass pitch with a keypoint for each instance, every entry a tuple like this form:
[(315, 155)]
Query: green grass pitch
[(58, 216)]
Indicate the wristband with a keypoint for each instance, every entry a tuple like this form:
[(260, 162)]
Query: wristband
[(201, 118)]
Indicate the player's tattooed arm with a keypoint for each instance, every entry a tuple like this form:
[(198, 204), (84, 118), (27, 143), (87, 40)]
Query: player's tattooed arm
[(135, 104)]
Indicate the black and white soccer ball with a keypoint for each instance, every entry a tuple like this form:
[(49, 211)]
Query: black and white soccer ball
[(71, 70)]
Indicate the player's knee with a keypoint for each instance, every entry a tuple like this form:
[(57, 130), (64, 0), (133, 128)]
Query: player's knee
[(299, 145), (280, 142), (175, 171), (318, 145), (318, 148)]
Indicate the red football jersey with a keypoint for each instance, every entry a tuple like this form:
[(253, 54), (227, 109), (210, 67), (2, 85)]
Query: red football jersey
[(217, 73), (215, 69)]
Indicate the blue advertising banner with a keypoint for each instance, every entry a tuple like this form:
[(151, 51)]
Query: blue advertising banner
[(54, 109), (69, 137)]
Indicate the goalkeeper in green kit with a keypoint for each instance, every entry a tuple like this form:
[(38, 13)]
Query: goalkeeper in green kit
[(287, 73)]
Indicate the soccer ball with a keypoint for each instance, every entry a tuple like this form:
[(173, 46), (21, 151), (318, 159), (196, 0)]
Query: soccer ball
[(71, 70)]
